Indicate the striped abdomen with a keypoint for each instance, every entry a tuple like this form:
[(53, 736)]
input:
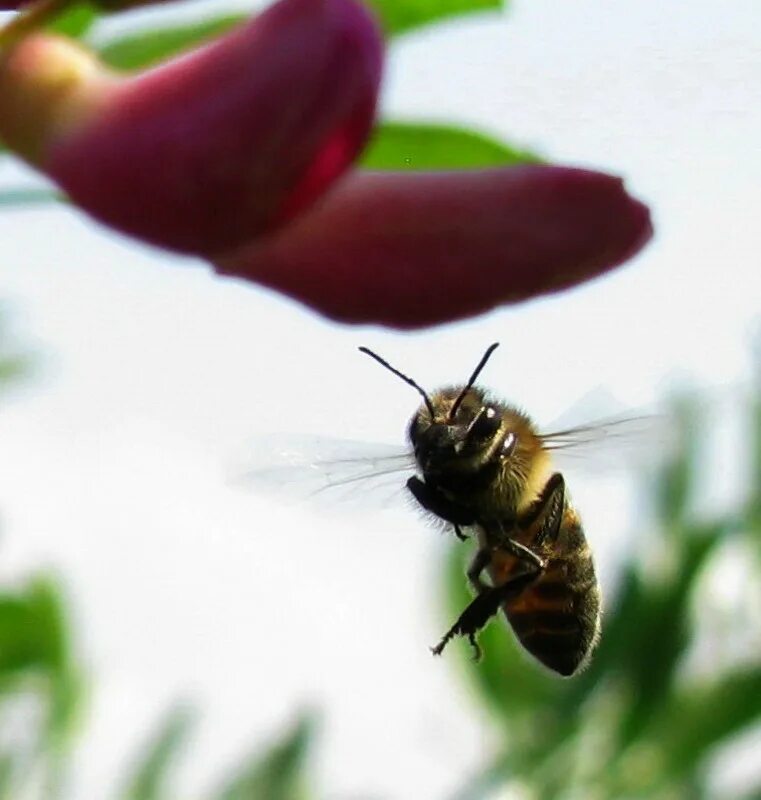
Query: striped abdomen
[(556, 618)]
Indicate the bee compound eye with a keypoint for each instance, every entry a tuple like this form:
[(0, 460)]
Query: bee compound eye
[(485, 425), (508, 446)]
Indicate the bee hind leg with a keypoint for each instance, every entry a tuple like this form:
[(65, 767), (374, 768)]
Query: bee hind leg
[(545, 518), (482, 609)]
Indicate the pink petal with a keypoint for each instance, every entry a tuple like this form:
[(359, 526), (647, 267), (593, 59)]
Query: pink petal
[(415, 249), (217, 147), (104, 5)]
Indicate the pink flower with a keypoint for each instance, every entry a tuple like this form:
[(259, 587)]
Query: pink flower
[(416, 249), (212, 149), (104, 5), (234, 153)]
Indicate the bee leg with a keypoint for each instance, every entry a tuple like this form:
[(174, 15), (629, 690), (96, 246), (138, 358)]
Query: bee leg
[(439, 504), (524, 553), (477, 652), (520, 551), (544, 519), (482, 609), (459, 534), (480, 561)]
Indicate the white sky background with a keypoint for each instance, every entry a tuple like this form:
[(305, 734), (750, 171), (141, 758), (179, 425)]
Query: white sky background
[(153, 372)]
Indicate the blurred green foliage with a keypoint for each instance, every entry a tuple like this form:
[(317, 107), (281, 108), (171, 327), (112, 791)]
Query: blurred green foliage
[(400, 16), (637, 722), (41, 700), (76, 20), (38, 675), (149, 778), (149, 47), (428, 146), (155, 43), (152, 45), (278, 773), (35, 671), (640, 722)]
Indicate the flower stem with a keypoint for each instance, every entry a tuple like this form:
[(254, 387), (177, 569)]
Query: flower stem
[(30, 19)]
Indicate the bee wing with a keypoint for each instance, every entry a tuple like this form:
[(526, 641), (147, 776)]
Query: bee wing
[(326, 471), (615, 442)]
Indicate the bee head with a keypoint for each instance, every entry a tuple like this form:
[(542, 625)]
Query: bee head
[(465, 431), (456, 427)]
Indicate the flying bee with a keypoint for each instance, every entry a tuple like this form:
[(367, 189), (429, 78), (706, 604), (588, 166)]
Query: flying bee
[(485, 468)]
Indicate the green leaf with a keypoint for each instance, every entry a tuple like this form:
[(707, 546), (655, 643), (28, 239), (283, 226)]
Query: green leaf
[(150, 776), (64, 707), (400, 16), (277, 774), (75, 21), (696, 720), (622, 618), (48, 620), (35, 644), (136, 51), (652, 633), (424, 146), (33, 634), (16, 198)]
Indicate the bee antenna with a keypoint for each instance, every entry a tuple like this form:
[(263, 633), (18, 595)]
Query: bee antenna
[(472, 379), (384, 363)]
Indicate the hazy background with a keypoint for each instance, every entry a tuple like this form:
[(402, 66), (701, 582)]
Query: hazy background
[(152, 373)]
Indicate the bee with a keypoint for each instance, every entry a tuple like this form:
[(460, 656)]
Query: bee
[(484, 468)]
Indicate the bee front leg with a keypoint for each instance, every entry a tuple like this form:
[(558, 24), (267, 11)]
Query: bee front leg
[(482, 609), (438, 503)]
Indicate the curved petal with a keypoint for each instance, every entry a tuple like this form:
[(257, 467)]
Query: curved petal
[(106, 5), (214, 148), (415, 249)]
